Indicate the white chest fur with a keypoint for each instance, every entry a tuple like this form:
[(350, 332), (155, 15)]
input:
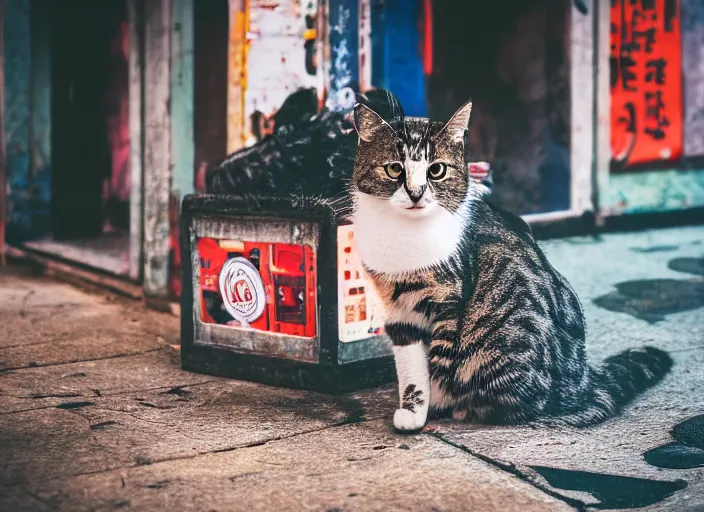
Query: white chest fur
[(394, 242)]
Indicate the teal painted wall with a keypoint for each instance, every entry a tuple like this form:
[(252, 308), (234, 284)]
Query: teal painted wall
[(27, 117), (182, 142), (654, 191), (40, 115), (17, 117), (182, 147)]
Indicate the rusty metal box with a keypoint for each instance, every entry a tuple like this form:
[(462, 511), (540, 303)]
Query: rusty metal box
[(274, 292)]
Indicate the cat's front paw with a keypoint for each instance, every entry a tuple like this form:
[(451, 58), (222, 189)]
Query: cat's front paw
[(409, 421)]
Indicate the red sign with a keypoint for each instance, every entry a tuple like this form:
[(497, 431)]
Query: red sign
[(256, 285), (646, 81)]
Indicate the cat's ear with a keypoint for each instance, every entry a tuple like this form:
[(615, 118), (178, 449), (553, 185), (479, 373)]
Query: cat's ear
[(368, 123), (457, 125)]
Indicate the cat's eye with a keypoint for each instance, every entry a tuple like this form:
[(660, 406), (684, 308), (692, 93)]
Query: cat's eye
[(437, 170), (393, 170)]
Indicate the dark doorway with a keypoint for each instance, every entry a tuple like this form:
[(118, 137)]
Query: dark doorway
[(210, 46), (90, 134), (512, 59)]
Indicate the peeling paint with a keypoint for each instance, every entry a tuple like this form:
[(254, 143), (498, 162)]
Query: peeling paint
[(276, 58), (157, 135), (237, 73), (17, 61), (344, 69), (653, 191)]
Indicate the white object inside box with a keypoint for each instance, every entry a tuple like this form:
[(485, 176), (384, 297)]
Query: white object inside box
[(360, 311)]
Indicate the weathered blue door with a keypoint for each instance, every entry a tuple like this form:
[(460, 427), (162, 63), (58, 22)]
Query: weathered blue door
[(396, 43), (26, 123)]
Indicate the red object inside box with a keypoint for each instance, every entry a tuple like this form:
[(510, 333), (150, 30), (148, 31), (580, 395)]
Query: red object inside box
[(288, 276)]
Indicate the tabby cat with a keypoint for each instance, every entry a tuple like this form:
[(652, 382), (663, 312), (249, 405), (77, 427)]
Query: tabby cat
[(483, 327)]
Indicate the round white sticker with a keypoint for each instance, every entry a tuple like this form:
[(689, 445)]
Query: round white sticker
[(242, 290)]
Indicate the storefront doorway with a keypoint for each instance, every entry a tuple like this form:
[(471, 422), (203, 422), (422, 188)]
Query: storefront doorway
[(90, 191), (512, 59)]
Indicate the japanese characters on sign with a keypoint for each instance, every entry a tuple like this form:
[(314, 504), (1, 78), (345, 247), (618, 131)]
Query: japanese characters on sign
[(646, 82)]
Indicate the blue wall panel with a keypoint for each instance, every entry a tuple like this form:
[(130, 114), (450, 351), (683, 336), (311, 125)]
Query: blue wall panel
[(28, 117), (343, 23), (403, 65), (40, 117), (17, 117)]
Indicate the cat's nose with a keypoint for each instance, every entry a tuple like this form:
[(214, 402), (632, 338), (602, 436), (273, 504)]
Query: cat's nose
[(415, 194)]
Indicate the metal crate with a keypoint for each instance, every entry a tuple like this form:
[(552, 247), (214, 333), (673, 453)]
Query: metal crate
[(287, 275)]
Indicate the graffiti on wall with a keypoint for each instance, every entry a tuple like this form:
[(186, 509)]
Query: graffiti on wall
[(646, 82), (344, 71), (309, 13)]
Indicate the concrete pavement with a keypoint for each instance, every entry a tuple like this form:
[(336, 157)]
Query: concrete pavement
[(96, 414)]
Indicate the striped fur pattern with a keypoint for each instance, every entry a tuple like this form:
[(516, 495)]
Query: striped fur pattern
[(483, 328)]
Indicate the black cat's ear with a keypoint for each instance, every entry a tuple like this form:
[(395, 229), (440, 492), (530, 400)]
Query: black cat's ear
[(457, 125), (368, 123), (384, 103)]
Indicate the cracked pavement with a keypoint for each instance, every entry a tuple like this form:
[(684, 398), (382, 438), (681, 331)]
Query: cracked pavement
[(96, 414)]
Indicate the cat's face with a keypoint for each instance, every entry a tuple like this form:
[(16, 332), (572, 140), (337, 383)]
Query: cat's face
[(419, 167)]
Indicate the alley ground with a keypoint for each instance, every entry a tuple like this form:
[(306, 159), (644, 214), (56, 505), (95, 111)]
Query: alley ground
[(96, 414)]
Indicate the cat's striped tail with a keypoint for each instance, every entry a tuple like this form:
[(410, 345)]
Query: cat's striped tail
[(618, 381)]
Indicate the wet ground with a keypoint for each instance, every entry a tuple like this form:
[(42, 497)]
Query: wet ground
[(96, 414)]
